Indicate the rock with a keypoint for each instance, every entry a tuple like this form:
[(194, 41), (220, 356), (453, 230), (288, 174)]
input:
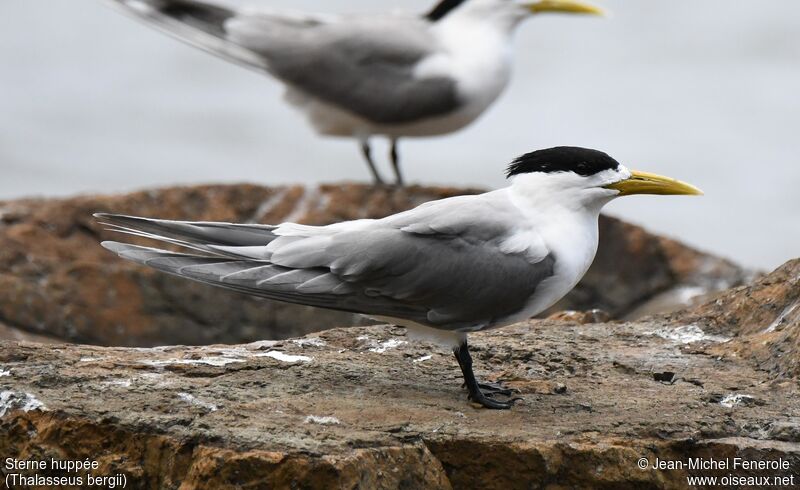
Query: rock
[(365, 408), (57, 282), (8, 333), (763, 320), (636, 274), (581, 317)]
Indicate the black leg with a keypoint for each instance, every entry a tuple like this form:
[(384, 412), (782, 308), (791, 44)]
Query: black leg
[(476, 394), (396, 165), (367, 151)]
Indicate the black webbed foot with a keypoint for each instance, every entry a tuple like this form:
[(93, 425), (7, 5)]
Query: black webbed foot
[(490, 389), (483, 394), (497, 389), (488, 400)]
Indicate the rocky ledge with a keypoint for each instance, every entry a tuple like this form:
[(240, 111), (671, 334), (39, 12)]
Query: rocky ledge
[(57, 283), (365, 408)]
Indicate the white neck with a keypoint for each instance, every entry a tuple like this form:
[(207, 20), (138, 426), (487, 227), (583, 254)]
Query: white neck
[(565, 218), (475, 51)]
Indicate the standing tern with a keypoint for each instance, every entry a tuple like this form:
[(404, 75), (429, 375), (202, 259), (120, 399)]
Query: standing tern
[(359, 76), (444, 269)]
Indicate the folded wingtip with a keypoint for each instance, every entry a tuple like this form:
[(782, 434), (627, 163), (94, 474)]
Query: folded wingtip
[(108, 216), (115, 247)]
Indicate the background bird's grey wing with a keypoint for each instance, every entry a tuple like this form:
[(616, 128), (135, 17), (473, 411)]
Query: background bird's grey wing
[(459, 277), (365, 67), (362, 65)]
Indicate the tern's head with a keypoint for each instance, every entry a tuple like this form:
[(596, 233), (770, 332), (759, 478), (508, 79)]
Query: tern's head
[(579, 177), (509, 12)]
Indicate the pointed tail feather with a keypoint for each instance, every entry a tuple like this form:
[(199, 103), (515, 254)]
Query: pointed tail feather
[(199, 24), (209, 233), (243, 265), (300, 286)]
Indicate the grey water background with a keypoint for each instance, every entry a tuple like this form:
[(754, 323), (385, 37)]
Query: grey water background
[(707, 91)]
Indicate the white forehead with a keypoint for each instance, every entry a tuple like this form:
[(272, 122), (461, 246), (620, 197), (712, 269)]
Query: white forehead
[(612, 175)]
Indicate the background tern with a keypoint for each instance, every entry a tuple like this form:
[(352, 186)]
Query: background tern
[(444, 269), (359, 76)]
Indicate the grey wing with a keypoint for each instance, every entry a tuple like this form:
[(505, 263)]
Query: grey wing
[(362, 65), (367, 68), (458, 281), (443, 280)]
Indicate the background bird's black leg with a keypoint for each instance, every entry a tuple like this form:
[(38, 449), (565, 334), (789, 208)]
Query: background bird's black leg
[(366, 149), (395, 156), (475, 393)]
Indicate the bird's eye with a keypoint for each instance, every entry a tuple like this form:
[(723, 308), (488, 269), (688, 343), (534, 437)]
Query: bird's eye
[(583, 167)]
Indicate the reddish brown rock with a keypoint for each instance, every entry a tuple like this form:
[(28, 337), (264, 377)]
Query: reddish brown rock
[(366, 408), (56, 281), (762, 319)]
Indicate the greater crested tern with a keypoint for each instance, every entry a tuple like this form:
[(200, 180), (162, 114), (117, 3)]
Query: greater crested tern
[(359, 76), (444, 269)]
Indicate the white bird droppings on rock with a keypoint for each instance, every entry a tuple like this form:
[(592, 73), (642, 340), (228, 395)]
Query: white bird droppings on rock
[(3, 373), (10, 400), (389, 344), (733, 400), (423, 359), (313, 419), (782, 317), (687, 334), (210, 361), (226, 352), (124, 383), (313, 342), (280, 356), (261, 345), (193, 400)]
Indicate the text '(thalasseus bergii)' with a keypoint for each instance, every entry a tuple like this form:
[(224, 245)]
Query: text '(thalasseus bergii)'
[(446, 268)]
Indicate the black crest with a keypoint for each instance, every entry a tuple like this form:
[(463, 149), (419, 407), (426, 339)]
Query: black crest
[(442, 9), (582, 161)]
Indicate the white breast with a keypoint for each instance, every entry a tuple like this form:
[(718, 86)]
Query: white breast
[(476, 55), (571, 235)]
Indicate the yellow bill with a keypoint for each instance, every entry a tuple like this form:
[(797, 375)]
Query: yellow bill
[(564, 6), (647, 183)]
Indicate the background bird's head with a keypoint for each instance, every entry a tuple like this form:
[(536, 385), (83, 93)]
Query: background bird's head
[(582, 178), (507, 12)]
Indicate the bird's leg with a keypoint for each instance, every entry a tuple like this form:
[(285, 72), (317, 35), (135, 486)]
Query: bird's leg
[(476, 394), (396, 164), (367, 151)]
